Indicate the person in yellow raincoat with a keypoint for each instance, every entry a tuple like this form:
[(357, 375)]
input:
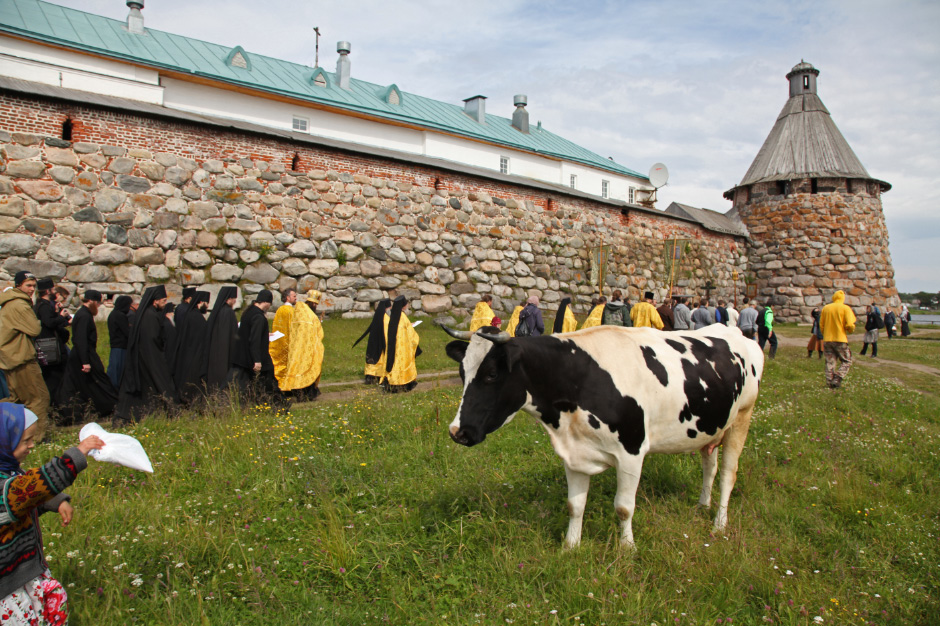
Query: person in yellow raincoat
[(401, 349), (565, 321), (514, 321), (483, 314), (596, 315), (375, 348), (305, 355), (644, 314), (282, 320)]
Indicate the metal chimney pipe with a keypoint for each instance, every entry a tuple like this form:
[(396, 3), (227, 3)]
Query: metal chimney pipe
[(135, 21), (475, 107), (343, 66), (520, 117)]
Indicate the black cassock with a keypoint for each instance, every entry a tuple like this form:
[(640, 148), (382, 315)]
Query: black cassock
[(169, 349), (53, 325), (222, 330), (251, 348), (146, 385), (81, 388), (190, 343)]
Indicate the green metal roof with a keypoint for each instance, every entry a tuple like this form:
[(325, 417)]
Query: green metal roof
[(67, 27)]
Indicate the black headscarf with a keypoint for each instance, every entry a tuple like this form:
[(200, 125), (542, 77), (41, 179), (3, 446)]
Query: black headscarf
[(123, 304), (392, 339), (560, 316), (130, 380), (224, 294), (376, 333)]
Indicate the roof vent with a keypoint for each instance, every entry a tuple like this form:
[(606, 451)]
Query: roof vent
[(475, 107), (135, 21), (520, 117), (343, 67)]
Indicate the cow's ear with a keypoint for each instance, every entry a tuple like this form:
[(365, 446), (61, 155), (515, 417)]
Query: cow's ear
[(456, 350), (513, 353)]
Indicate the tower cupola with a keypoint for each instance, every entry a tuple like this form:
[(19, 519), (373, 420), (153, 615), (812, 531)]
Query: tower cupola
[(802, 79)]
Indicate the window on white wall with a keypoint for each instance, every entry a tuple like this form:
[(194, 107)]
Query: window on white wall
[(631, 196), (503, 165), (605, 189), (574, 181), (300, 123)]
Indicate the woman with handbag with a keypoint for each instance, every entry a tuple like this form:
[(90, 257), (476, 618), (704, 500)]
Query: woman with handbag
[(52, 343)]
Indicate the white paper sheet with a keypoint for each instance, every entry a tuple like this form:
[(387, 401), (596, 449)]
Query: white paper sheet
[(415, 325), (275, 335)]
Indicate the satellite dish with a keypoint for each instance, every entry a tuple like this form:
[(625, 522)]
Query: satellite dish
[(659, 175)]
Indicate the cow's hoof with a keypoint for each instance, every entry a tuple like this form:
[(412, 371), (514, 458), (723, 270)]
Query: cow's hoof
[(568, 545), (628, 545)]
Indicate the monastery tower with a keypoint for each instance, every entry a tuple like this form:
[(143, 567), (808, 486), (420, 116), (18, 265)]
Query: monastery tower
[(813, 212)]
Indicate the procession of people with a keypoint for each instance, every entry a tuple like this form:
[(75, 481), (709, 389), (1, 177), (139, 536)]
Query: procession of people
[(165, 356)]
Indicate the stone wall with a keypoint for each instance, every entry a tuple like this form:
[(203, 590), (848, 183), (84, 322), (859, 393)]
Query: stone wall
[(805, 245), (187, 205)]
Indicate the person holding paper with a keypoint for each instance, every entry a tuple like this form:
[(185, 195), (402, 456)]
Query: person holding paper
[(401, 341), (282, 321), (28, 592), (252, 367), (305, 353)]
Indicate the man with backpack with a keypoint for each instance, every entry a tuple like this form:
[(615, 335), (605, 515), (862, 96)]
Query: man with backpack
[(616, 312), (765, 329), (530, 319)]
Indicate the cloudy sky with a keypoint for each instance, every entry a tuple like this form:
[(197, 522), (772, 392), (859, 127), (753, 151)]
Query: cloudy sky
[(695, 85)]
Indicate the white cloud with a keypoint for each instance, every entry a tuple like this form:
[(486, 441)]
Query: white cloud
[(695, 85)]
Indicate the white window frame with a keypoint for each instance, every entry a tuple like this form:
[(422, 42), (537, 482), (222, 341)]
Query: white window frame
[(573, 181), (298, 121), (631, 195), (605, 188), (503, 164)]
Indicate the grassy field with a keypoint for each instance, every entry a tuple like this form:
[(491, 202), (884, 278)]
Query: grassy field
[(364, 512)]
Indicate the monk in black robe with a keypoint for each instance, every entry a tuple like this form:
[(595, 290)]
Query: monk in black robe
[(147, 385), (221, 333), (119, 331), (190, 341), (86, 382), (253, 369), (187, 301), (169, 337), (54, 323)]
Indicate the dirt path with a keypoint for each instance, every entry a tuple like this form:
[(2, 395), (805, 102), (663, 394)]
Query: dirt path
[(866, 361), (426, 382)]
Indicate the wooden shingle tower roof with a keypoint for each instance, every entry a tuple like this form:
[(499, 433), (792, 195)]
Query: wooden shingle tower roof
[(804, 142)]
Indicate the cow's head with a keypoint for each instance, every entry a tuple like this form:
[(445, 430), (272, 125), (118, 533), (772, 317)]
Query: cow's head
[(494, 388)]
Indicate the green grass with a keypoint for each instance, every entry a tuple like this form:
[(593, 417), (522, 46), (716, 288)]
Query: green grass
[(363, 511)]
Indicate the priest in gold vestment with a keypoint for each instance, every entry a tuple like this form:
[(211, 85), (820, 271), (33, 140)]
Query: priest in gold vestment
[(596, 315), (282, 320), (514, 321), (565, 321), (305, 355), (401, 349), (483, 314), (375, 348)]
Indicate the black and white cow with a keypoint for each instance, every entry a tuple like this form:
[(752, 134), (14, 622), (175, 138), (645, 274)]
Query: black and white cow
[(608, 396)]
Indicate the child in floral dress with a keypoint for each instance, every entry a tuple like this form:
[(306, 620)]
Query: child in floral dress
[(29, 595)]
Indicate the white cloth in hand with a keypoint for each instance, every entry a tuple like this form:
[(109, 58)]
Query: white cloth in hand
[(120, 449)]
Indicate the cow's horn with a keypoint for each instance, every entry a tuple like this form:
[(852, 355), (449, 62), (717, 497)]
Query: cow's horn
[(457, 334), (502, 337)]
